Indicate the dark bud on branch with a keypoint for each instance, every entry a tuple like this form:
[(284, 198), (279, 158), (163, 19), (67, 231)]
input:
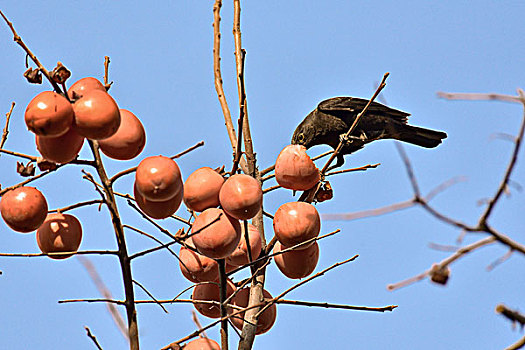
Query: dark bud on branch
[(439, 274), (33, 76), (60, 73), (44, 164)]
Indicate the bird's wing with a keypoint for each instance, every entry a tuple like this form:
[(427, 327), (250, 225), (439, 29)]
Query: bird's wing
[(342, 106)]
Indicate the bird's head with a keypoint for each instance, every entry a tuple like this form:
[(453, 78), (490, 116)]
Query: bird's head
[(304, 134)]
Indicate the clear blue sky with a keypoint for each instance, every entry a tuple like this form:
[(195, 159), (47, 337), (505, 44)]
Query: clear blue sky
[(298, 53)]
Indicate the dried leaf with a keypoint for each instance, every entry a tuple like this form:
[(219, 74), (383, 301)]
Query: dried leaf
[(33, 76), (25, 170), (60, 73)]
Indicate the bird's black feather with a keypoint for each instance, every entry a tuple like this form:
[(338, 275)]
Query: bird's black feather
[(333, 117)]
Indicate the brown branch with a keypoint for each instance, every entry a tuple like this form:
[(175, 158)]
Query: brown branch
[(409, 169), (25, 182), (92, 337), (151, 296), (133, 169), (512, 315), (518, 345), (20, 42), (444, 263), (508, 172), (107, 84), (77, 205), (223, 281), (256, 289), (6, 127), (124, 260), (297, 285), (218, 82), (79, 252), (361, 168), (336, 306)]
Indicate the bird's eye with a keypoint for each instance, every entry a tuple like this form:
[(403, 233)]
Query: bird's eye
[(300, 137)]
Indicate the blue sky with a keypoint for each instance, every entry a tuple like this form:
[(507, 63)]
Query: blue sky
[(298, 54)]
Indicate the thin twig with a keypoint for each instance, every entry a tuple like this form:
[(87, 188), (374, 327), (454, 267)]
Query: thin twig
[(361, 168), (133, 169), (444, 263), (6, 127), (20, 42), (77, 205), (354, 124), (336, 306), (297, 285), (218, 81), (151, 296), (92, 337)]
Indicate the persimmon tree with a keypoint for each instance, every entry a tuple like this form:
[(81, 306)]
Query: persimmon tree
[(216, 242)]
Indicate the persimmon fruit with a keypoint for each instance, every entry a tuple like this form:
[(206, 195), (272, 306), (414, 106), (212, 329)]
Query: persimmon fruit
[(23, 209), (97, 115), (240, 256), (201, 189), (128, 141), (158, 178), (215, 233), (60, 233), (241, 196), (210, 291), (296, 222), (60, 149), (297, 263), (295, 170), (49, 114)]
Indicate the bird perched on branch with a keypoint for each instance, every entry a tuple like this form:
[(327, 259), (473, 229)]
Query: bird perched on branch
[(331, 120)]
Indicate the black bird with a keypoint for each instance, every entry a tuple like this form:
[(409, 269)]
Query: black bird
[(327, 124)]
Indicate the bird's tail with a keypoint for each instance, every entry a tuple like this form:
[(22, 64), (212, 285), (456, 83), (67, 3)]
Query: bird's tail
[(419, 136)]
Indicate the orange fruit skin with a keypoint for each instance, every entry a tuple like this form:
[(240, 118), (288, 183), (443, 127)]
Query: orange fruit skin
[(49, 114), (241, 196), (266, 319), (196, 267), (296, 222), (23, 209), (210, 291), (84, 85), (128, 141), (202, 344), (297, 263), (201, 189), (295, 170), (60, 149), (215, 233), (59, 233), (239, 256), (158, 210), (158, 178), (97, 115)]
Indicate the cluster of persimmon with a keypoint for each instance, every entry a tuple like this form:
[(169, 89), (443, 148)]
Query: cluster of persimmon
[(60, 124), (217, 232)]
